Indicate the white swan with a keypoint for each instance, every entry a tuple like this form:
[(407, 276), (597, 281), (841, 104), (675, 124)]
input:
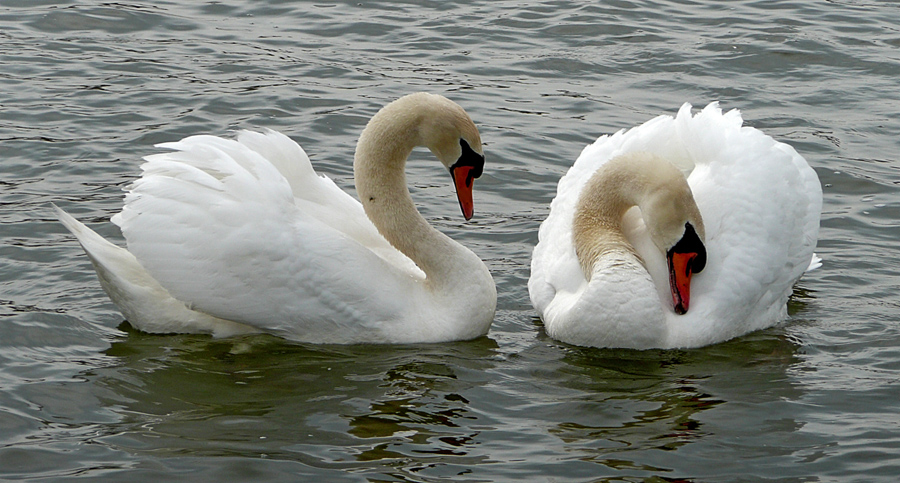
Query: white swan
[(614, 262), (235, 236)]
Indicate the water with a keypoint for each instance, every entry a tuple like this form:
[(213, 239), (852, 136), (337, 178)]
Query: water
[(86, 89)]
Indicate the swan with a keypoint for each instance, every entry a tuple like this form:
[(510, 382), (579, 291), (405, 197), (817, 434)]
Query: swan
[(239, 236), (682, 232)]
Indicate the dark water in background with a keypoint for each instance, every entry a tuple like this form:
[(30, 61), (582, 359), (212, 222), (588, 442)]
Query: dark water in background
[(86, 89)]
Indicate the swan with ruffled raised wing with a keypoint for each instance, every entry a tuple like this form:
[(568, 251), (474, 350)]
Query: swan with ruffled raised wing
[(239, 236), (682, 232)]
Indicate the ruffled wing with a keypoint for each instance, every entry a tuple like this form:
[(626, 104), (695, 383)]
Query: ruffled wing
[(246, 231)]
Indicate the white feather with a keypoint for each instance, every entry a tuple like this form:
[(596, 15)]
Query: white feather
[(760, 202), (227, 236)]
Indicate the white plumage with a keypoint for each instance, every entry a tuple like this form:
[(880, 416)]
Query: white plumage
[(760, 203), (230, 236)]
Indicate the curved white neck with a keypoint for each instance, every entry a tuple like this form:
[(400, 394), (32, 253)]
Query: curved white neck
[(379, 169), (635, 179), (597, 226)]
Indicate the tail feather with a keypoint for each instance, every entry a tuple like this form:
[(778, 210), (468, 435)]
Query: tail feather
[(814, 263), (145, 303)]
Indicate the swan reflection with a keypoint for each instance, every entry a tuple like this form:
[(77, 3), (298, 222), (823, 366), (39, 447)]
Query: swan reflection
[(371, 408)]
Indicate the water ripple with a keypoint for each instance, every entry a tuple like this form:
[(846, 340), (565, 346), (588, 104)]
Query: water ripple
[(87, 88)]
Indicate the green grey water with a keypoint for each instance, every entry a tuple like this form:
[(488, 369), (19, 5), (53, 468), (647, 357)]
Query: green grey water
[(88, 87)]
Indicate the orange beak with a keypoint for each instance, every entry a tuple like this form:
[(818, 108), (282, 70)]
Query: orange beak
[(463, 180), (680, 271)]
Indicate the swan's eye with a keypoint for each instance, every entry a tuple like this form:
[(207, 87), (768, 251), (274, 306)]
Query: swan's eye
[(690, 243), (469, 158)]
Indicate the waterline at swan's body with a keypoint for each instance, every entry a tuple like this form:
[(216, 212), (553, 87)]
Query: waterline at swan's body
[(759, 201), (230, 236)]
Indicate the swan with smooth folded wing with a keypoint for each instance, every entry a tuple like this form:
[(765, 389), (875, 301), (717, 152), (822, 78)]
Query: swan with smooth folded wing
[(682, 232), (238, 236)]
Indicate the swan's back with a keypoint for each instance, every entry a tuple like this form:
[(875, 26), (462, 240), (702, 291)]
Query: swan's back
[(241, 235), (760, 203), (245, 230)]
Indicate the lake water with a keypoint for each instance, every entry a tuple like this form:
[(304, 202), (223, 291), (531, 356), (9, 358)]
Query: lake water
[(88, 87)]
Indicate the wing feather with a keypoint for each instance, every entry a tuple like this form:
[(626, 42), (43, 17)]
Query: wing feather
[(760, 203), (232, 233)]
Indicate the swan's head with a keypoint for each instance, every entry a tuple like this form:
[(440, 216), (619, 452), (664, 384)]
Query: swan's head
[(667, 207), (420, 119), (685, 258), (467, 167), (676, 228), (448, 131)]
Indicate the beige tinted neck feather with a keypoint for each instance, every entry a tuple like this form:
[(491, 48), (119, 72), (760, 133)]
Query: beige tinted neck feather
[(379, 170), (634, 179)]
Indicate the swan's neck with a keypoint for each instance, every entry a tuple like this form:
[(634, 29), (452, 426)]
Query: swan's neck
[(637, 179), (379, 169), (597, 227)]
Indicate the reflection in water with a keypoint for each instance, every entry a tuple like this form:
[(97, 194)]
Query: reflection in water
[(416, 416), (669, 423), (366, 408), (422, 413), (800, 300), (636, 410)]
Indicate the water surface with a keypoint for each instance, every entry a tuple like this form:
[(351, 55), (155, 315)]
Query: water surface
[(88, 87)]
